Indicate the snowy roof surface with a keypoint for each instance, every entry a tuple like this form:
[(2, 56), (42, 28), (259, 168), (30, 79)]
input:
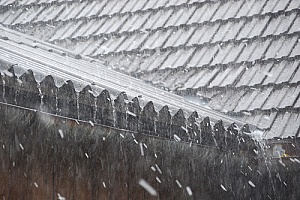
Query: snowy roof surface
[(242, 55)]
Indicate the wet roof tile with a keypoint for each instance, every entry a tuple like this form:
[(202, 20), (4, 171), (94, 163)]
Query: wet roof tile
[(233, 76), (294, 4), (221, 11), (296, 49), (198, 14), (260, 99), (288, 44), (267, 120), (234, 29), (278, 24), (276, 70), (219, 100), (290, 97), (217, 81), (256, 8), (269, 6), (233, 100), (186, 15), (154, 61), (233, 53), (275, 98), (296, 25), (158, 38), (279, 125), (158, 19), (246, 100), (97, 8), (297, 104), (177, 59), (139, 5), (184, 37), (134, 22), (248, 75), (260, 50), (234, 8), (289, 69), (293, 126), (245, 8)]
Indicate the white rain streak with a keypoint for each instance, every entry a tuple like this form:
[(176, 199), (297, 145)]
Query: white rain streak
[(185, 129), (60, 197), (153, 168), (189, 191), (145, 145), (86, 155), (155, 155), (176, 138), (142, 149), (21, 146), (122, 135), (131, 113), (158, 169), (135, 141), (158, 179), (36, 185), (104, 185), (251, 183), (91, 123), (178, 183), (222, 186), (61, 133), (147, 187)]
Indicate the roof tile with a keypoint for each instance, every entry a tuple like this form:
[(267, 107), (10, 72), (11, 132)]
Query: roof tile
[(296, 25), (293, 126), (158, 19), (248, 75), (269, 6), (296, 49), (288, 44), (290, 97), (279, 125), (260, 99), (134, 22), (217, 81), (233, 76), (222, 10), (234, 29), (245, 8), (177, 59), (233, 100), (158, 38), (294, 4), (246, 100), (275, 98), (255, 8)]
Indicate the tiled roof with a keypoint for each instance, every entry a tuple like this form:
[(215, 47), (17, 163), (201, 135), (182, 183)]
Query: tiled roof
[(240, 55), (47, 80)]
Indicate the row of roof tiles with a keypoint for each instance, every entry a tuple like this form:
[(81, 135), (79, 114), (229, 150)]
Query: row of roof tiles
[(169, 13), (214, 54), (263, 25), (276, 124), (192, 36), (244, 75), (267, 98), (195, 35)]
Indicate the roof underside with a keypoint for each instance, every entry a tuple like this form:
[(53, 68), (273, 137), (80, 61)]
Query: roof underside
[(242, 56)]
